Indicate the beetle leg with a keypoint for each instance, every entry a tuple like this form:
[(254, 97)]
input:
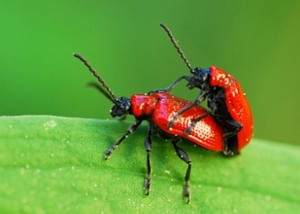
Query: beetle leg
[(194, 122), (129, 131), (230, 143), (170, 87), (230, 147), (237, 126), (180, 112), (148, 164), (183, 156), (200, 98)]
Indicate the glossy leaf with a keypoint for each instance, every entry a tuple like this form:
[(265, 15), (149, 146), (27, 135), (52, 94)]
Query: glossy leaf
[(55, 165)]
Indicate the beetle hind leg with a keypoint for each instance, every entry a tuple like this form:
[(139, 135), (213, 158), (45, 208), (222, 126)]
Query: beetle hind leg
[(148, 163), (180, 112), (194, 122), (183, 156), (200, 98), (230, 138)]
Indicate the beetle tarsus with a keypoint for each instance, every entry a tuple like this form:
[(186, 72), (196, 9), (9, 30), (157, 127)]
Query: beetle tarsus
[(186, 193), (109, 152), (228, 153), (147, 184)]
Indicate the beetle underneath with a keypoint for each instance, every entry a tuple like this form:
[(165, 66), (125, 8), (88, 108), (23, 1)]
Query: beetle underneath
[(158, 108)]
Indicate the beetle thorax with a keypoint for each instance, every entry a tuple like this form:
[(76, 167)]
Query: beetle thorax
[(142, 105)]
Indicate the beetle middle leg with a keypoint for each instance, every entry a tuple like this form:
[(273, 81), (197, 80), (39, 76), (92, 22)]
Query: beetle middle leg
[(183, 156)]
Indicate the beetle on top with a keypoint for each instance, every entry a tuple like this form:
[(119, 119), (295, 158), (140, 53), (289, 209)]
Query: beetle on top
[(225, 99)]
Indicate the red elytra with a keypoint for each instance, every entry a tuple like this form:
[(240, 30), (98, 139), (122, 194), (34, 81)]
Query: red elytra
[(161, 108), (236, 103)]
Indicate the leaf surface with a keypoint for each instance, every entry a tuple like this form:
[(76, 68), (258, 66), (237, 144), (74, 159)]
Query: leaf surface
[(54, 164)]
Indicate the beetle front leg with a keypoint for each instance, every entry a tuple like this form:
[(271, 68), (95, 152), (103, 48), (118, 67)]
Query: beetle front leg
[(183, 156), (129, 131), (148, 163), (170, 87)]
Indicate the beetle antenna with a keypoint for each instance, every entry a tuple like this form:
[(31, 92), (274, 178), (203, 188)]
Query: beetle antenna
[(99, 88), (168, 31), (94, 72)]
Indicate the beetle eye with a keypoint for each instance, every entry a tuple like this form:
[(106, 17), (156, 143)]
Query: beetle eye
[(121, 108), (197, 71)]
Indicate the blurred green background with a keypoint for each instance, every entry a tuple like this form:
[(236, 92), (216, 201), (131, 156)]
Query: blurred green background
[(256, 41)]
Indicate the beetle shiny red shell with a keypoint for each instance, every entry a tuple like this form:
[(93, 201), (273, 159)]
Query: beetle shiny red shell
[(161, 107)]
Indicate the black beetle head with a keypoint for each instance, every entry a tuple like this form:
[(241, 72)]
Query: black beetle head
[(200, 78), (121, 108)]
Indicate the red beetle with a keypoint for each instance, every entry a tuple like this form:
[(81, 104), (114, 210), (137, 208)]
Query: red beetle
[(158, 108), (225, 98)]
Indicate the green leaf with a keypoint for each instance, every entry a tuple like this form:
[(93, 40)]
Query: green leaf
[(55, 165)]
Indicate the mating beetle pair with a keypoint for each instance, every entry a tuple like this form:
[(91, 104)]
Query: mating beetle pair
[(226, 128)]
